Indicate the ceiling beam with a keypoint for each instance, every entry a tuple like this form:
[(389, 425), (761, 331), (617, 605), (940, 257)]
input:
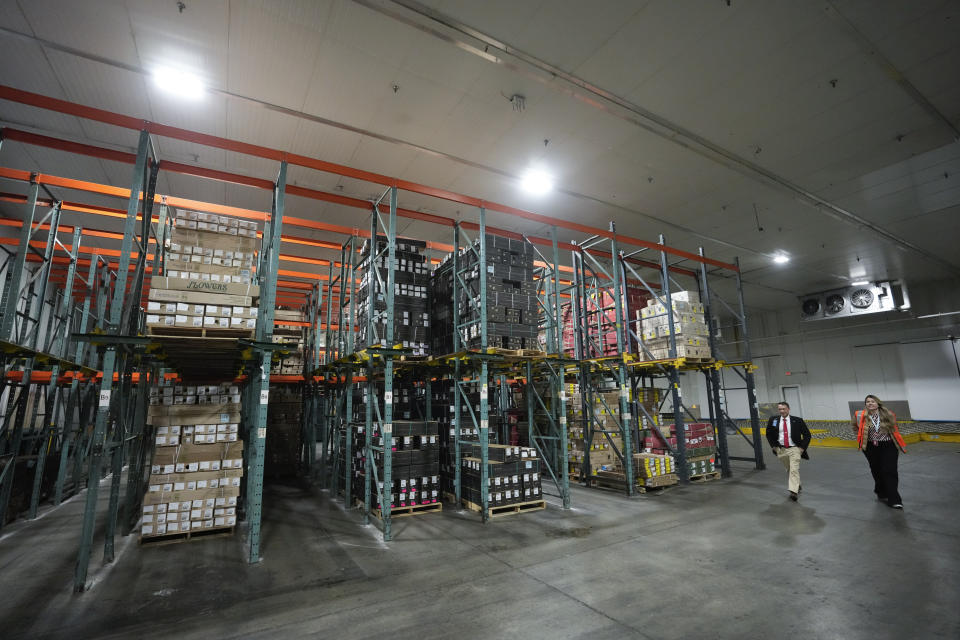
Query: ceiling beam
[(217, 142)]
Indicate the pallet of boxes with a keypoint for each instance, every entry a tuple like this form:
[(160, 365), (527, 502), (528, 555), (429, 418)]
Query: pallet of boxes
[(288, 331), (602, 447), (513, 479), (606, 468), (701, 447), (689, 326), (652, 469), (197, 465), (208, 286)]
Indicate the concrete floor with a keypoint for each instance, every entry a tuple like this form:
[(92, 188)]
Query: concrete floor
[(726, 559)]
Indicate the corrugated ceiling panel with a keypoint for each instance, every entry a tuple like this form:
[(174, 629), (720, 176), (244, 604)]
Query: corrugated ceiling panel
[(97, 85), (347, 84), (259, 40), (103, 30), (570, 31), (324, 142)]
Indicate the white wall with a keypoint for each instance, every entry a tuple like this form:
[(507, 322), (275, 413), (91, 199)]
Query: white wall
[(896, 357)]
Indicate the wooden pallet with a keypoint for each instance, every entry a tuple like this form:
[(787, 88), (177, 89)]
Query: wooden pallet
[(507, 509), (185, 536), (619, 484), (412, 510), (511, 353), (197, 332), (705, 477), (408, 358)]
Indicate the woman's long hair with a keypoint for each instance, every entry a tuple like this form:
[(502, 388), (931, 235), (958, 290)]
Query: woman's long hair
[(887, 419)]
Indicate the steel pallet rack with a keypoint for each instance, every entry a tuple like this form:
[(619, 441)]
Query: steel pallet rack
[(338, 369), (742, 365), (118, 406), (376, 360), (540, 377), (138, 124), (478, 361), (601, 276), (314, 398), (544, 377), (36, 333)]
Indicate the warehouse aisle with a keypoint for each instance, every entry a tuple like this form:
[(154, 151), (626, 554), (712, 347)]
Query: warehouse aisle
[(727, 559)]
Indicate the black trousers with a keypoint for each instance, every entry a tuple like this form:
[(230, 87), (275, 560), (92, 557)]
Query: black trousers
[(883, 466)]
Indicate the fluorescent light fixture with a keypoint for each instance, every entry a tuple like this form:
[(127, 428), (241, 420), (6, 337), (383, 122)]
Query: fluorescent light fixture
[(860, 283), (181, 83), (781, 258), (537, 182)]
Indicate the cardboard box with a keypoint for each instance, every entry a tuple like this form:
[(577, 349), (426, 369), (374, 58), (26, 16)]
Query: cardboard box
[(162, 498), (191, 322), (162, 308), (186, 309), (207, 236), (207, 265), (204, 293), (161, 321)]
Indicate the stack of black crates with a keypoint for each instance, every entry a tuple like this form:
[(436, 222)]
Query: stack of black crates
[(513, 475), (411, 312), (512, 312), (415, 466)]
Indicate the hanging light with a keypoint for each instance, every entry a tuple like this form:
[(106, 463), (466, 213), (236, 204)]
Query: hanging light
[(180, 83), (537, 182)]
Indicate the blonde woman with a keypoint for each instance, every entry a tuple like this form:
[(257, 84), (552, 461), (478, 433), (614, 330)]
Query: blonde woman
[(879, 439)]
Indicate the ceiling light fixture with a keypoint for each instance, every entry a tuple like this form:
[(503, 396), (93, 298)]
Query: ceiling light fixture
[(860, 283), (182, 83), (537, 182), (781, 258)]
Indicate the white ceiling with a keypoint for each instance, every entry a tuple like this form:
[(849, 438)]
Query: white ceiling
[(717, 115)]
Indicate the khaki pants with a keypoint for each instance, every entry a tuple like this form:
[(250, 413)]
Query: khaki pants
[(791, 461)]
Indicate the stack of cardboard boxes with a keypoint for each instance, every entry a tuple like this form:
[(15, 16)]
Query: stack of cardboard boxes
[(606, 411), (208, 284), (411, 289), (689, 326), (699, 437), (654, 470), (197, 463), (288, 363), (701, 445)]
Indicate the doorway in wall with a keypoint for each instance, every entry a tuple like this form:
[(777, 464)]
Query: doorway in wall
[(791, 395)]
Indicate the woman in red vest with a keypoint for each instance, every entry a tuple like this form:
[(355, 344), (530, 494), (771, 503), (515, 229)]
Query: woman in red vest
[(879, 439)]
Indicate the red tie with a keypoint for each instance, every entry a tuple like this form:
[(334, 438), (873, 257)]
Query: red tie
[(786, 436)]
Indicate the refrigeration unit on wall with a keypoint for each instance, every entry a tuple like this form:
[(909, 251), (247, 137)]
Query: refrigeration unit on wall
[(858, 300)]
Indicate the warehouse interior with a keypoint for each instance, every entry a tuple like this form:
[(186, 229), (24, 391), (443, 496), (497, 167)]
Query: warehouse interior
[(491, 304)]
